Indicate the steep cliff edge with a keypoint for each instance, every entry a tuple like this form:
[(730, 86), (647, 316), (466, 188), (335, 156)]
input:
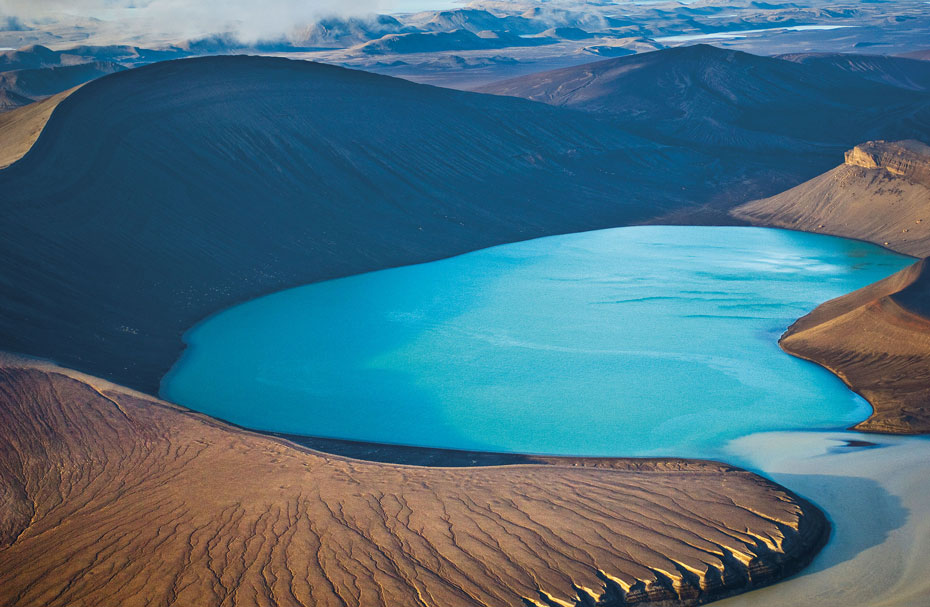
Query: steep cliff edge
[(909, 159), (111, 497), (880, 194)]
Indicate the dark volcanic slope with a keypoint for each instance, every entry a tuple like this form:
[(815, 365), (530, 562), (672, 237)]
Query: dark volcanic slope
[(157, 196), (110, 498), (162, 194), (922, 55), (877, 339), (902, 72), (703, 95)]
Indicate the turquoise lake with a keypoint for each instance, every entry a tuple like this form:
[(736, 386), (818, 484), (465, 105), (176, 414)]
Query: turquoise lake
[(654, 340)]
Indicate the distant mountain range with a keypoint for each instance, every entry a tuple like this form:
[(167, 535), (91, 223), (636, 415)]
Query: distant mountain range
[(751, 25), (22, 87), (37, 56), (710, 97), (532, 36), (458, 40), (35, 72), (340, 33)]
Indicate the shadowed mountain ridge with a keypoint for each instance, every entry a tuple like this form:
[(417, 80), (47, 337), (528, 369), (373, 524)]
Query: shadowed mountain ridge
[(710, 97), (157, 196), (902, 72), (160, 195)]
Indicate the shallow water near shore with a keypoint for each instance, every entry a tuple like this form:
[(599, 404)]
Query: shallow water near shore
[(878, 499), (654, 340)]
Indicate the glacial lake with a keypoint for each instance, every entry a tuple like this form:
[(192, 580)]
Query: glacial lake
[(654, 340)]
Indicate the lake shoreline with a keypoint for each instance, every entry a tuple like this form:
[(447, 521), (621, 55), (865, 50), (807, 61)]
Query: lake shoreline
[(876, 498), (700, 531), (486, 352)]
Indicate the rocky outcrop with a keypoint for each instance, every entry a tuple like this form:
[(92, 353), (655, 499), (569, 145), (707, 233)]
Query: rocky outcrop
[(111, 497), (908, 159), (877, 340), (880, 194)]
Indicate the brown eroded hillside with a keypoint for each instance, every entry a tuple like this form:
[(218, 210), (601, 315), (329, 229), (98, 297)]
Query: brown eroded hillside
[(111, 497), (881, 194), (877, 340), (20, 128)]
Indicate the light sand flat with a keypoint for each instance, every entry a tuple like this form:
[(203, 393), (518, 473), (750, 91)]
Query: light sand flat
[(878, 500)]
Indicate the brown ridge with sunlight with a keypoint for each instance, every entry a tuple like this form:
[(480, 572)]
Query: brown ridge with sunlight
[(112, 497)]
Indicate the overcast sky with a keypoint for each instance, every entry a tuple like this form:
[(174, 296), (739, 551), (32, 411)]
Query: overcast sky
[(251, 19)]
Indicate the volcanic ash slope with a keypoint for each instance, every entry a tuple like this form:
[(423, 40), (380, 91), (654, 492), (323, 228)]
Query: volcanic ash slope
[(157, 196), (877, 339), (110, 497), (768, 107)]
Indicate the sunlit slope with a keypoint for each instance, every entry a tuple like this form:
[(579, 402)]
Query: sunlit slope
[(160, 195), (881, 193), (20, 128), (111, 498), (877, 340)]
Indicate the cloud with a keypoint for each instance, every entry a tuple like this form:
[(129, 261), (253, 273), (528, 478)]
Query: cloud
[(250, 20)]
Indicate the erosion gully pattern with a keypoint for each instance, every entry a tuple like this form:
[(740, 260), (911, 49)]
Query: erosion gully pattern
[(112, 497)]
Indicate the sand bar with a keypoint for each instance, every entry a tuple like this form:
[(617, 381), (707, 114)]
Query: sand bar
[(878, 500)]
